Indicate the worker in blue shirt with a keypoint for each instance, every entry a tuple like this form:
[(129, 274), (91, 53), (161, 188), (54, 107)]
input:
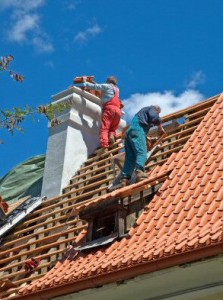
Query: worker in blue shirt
[(136, 143)]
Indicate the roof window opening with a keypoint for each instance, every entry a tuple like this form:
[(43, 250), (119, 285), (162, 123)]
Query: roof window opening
[(105, 221), (104, 226)]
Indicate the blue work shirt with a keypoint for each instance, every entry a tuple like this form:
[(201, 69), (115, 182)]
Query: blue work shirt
[(148, 117), (106, 88)]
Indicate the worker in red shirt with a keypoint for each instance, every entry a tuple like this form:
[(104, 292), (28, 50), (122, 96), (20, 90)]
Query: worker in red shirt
[(111, 110)]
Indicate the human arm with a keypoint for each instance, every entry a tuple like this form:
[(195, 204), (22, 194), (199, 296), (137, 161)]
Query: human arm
[(94, 86), (156, 120), (124, 132), (150, 141)]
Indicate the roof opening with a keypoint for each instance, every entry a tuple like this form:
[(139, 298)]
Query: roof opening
[(106, 220), (104, 226)]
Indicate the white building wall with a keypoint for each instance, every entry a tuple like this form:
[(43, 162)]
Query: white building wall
[(193, 281), (72, 141)]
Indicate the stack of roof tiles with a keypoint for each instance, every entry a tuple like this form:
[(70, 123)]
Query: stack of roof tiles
[(182, 223)]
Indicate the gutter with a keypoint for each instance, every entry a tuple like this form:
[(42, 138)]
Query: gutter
[(124, 273)]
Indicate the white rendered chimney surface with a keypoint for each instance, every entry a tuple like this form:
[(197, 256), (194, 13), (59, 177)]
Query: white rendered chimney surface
[(73, 140)]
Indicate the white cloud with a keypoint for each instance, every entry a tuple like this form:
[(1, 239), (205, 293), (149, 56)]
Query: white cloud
[(42, 44), (196, 79), (25, 24), (25, 5), (22, 27), (168, 101), (90, 32), (71, 5)]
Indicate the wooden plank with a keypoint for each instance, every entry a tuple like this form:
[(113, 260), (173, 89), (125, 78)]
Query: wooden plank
[(157, 163), (97, 157), (167, 153), (180, 132), (143, 187), (42, 256), (173, 143), (35, 234), (42, 240), (6, 284), (85, 181), (88, 173), (90, 186), (209, 102), (39, 249), (202, 112), (39, 218), (120, 194), (11, 276), (121, 221), (22, 231), (98, 160), (184, 126)]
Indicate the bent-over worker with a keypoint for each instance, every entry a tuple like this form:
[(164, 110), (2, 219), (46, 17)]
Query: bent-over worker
[(136, 142)]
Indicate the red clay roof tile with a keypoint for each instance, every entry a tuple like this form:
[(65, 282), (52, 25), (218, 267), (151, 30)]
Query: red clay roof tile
[(184, 217)]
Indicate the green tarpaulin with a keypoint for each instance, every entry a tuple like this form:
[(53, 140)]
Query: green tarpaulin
[(24, 180)]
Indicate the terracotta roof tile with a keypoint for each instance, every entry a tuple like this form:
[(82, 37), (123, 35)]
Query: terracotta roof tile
[(182, 218)]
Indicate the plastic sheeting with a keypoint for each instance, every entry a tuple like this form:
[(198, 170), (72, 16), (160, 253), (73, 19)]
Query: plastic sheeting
[(24, 180)]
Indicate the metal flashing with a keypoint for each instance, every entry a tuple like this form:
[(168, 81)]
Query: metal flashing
[(98, 242), (19, 214)]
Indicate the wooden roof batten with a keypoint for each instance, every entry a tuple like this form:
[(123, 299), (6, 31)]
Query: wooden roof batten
[(48, 221)]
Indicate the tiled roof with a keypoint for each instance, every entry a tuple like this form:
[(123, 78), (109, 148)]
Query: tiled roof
[(182, 223)]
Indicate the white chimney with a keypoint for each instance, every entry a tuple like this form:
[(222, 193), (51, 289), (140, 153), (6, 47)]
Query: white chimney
[(73, 140)]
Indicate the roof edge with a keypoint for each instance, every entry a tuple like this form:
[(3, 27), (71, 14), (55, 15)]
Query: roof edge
[(175, 115), (125, 273)]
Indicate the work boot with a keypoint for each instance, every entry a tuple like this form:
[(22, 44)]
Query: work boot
[(112, 139), (140, 175), (118, 183), (124, 182)]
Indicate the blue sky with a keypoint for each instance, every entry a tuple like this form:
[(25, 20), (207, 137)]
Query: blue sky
[(163, 52)]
